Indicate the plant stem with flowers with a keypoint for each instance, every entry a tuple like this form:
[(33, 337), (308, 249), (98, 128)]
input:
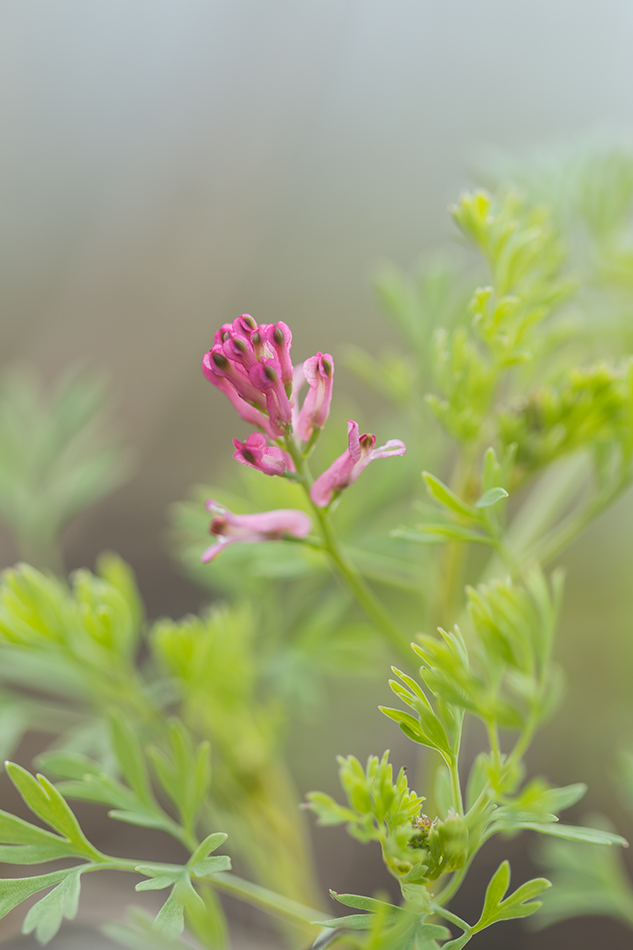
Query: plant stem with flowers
[(251, 364)]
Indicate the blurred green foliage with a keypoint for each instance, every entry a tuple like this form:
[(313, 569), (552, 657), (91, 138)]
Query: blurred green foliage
[(56, 457)]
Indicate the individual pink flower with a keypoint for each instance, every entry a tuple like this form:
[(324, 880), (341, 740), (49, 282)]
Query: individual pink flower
[(248, 412), (249, 529), (217, 365), (267, 378), (279, 339), (265, 458), (318, 371), (344, 471)]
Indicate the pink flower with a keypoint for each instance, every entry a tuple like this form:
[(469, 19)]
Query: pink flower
[(266, 377), (319, 372), (217, 365), (248, 413), (266, 458), (344, 471), (274, 340), (249, 529)]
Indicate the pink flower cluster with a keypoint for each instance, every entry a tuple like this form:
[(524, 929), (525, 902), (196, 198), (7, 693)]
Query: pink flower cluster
[(251, 365)]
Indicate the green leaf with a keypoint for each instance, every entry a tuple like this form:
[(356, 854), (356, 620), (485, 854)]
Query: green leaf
[(366, 903), (68, 765), (352, 922), (158, 883), (491, 497), (14, 890), (427, 730), (447, 498), (496, 908), (427, 935), (160, 876), (129, 753), (24, 843), (184, 773), (170, 919), (46, 802), (45, 917), (576, 833), (206, 847), (210, 866), (144, 819), (440, 533), (558, 799)]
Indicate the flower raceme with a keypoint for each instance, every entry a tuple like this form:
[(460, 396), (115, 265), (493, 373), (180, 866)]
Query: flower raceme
[(251, 365), (344, 471), (263, 526)]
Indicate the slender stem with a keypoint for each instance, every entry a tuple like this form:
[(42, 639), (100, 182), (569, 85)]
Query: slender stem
[(453, 767), (454, 884), (267, 900), (228, 883), (456, 881), (493, 738), (563, 535), (348, 572), (363, 594), (452, 918), (456, 788)]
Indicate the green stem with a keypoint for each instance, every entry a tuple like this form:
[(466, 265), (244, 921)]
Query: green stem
[(456, 881), (254, 894), (562, 536), (453, 767), (267, 900), (454, 884), (456, 788), (363, 594), (348, 572), (493, 738), (454, 919)]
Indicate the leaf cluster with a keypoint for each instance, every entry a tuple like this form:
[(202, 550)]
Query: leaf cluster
[(67, 463)]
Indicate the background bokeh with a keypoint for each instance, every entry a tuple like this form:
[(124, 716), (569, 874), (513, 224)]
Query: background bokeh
[(168, 164)]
